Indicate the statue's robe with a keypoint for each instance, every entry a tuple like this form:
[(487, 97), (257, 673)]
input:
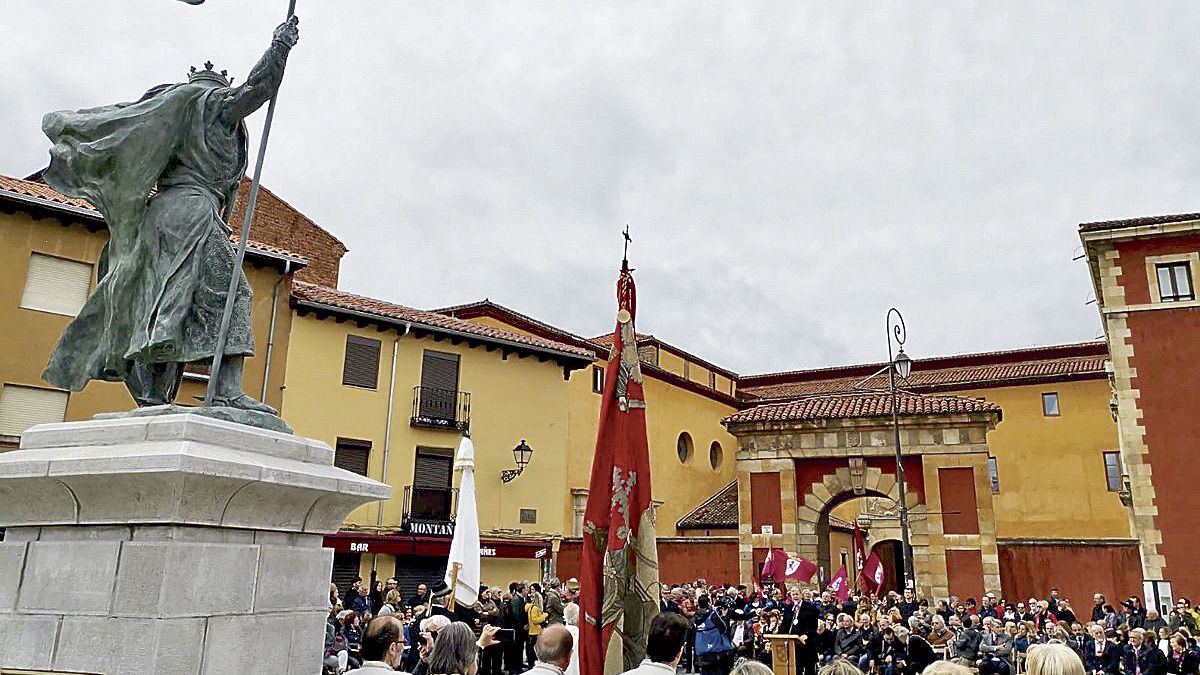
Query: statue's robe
[(165, 272)]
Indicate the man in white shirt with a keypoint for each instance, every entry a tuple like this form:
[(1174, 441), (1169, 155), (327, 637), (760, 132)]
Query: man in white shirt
[(553, 651), (664, 646), (382, 646)]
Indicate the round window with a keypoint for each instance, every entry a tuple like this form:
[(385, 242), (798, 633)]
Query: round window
[(684, 447), (715, 454)]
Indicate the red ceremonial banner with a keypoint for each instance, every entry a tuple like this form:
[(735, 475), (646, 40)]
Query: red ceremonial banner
[(840, 586), (780, 566), (618, 581)]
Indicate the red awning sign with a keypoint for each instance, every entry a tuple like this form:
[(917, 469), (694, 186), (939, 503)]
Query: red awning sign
[(349, 542)]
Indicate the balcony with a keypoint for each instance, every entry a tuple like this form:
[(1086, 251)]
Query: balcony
[(441, 408), (429, 510)]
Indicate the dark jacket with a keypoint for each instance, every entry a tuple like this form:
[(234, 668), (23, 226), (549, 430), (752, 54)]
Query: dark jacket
[(1189, 664), (1145, 660), (1000, 646), (966, 644), (554, 608), (920, 655), (907, 609), (1108, 661), (804, 619), (894, 648), (848, 643)]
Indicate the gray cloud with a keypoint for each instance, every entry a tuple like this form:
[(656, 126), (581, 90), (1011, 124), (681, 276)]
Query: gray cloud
[(790, 170)]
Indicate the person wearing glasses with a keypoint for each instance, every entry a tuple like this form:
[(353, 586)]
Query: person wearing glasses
[(382, 646)]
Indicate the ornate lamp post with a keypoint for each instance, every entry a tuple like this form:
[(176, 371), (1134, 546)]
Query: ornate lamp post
[(900, 365), (521, 454)]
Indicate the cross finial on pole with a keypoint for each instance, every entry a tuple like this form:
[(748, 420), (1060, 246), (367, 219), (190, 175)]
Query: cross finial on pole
[(628, 239)]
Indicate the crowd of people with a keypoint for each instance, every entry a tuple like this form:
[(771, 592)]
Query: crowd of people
[(726, 628)]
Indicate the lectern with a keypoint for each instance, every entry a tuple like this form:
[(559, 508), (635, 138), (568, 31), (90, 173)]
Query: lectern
[(783, 653)]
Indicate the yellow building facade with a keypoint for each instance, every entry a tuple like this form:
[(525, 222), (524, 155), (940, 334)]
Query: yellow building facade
[(364, 376)]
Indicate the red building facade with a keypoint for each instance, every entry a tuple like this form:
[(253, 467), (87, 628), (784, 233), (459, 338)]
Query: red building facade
[(1144, 271)]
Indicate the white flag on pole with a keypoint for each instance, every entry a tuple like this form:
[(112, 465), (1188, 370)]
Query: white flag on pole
[(464, 548)]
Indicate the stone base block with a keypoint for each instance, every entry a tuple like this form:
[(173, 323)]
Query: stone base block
[(170, 544)]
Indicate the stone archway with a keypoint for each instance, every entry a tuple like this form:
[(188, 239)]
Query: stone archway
[(842, 485)]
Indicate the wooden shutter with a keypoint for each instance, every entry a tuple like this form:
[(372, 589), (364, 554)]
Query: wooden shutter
[(439, 385), (24, 407), (352, 455), (361, 368), (433, 468), (56, 285)]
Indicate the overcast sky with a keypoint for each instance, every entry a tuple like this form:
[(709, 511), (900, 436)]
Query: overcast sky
[(789, 170)]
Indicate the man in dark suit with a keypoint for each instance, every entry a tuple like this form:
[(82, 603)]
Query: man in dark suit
[(1142, 657), (805, 614), (1101, 657)]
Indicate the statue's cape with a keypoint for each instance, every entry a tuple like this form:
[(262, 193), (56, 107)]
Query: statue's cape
[(112, 157)]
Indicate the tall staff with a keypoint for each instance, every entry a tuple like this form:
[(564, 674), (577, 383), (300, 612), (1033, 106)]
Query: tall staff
[(227, 315)]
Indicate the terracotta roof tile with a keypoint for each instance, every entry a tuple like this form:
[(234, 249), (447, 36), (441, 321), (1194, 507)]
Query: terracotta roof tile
[(1137, 222), (486, 307), (942, 379), (333, 298), (859, 405), (718, 511), (45, 193)]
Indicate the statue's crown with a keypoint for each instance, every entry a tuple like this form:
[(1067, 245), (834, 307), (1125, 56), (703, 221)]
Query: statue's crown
[(209, 75)]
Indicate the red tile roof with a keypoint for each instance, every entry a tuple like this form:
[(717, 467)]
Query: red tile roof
[(861, 404), (486, 307), (718, 511), (48, 196), (1083, 360), (332, 299), (1138, 222)]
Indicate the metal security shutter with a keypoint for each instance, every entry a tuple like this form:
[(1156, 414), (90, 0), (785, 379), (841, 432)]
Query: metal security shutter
[(433, 468), (361, 368), (412, 570), (352, 455), (23, 407), (439, 385), (345, 568), (56, 285)]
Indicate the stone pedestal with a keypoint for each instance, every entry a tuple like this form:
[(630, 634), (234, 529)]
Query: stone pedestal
[(177, 544)]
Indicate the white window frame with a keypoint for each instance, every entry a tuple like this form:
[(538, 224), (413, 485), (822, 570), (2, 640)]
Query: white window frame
[(1152, 263)]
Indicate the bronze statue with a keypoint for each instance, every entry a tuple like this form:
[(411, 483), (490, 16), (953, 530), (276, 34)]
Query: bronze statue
[(163, 171)]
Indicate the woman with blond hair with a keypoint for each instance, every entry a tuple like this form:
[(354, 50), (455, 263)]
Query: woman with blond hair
[(537, 619), (945, 668), (1053, 659), (750, 667), (835, 667)]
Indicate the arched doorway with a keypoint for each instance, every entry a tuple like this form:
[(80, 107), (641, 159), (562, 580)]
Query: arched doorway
[(875, 515)]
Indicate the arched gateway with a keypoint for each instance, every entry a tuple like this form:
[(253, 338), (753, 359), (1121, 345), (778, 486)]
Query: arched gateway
[(798, 459)]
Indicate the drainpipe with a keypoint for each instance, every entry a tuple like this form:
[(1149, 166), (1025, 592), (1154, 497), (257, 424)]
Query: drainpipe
[(387, 434), (287, 268)]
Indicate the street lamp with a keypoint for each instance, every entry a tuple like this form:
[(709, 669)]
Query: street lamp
[(521, 455), (900, 365)]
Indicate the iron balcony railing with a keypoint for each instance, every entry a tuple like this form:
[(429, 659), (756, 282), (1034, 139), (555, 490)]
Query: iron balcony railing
[(432, 506), (441, 408)]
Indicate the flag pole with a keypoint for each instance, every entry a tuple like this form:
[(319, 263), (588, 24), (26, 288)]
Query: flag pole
[(252, 197), (453, 585)]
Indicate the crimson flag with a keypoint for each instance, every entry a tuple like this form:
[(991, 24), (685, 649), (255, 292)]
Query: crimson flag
[(840, 586), (860, 555), (618, 580), (781, 566), (872, 574)]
